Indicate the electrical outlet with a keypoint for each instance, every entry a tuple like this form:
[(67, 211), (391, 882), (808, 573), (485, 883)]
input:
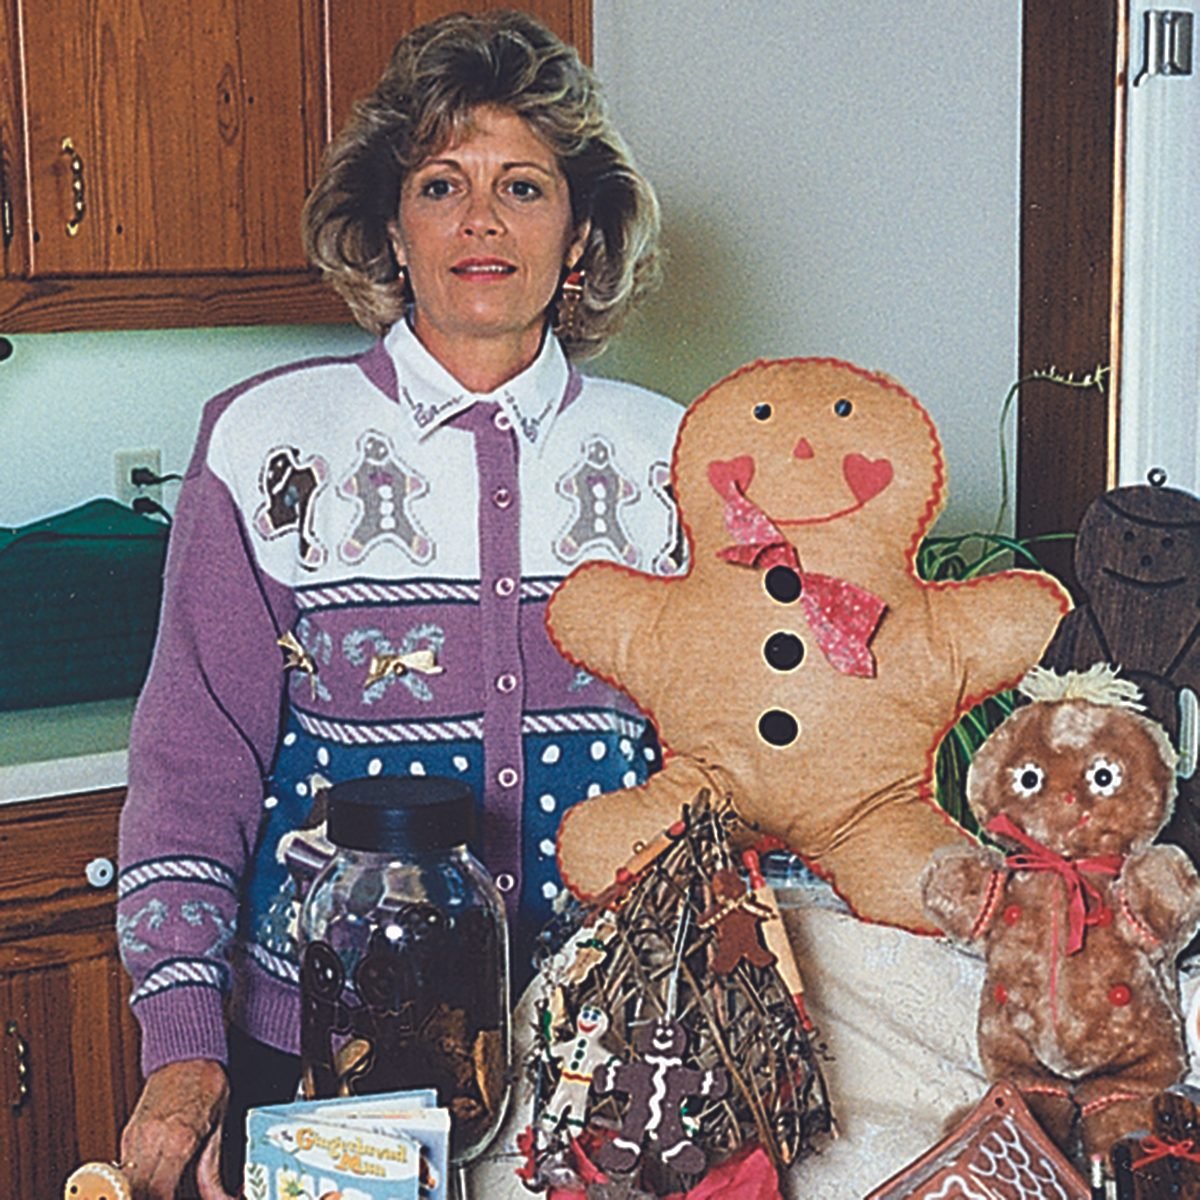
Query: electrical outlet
[(126, 462)]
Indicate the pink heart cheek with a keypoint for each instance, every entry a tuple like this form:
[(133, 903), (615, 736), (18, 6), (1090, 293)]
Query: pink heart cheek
[(867, 477), (731, 478)]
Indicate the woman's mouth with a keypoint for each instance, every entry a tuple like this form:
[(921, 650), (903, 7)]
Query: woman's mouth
[(483, 268)]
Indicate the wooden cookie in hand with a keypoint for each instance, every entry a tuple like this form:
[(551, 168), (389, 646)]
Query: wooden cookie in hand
[(801, 665)]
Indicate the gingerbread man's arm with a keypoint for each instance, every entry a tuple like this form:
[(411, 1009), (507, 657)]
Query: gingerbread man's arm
[(599, 836), (1005, 620), (1160, 894), (961, 887), (596, 616)]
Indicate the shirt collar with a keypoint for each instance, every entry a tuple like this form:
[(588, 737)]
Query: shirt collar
[(432, 396)]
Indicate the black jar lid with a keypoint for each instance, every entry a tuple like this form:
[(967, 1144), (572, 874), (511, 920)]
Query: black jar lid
[(395, 813)]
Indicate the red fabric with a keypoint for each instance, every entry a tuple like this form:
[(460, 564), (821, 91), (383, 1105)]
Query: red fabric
[(843, 616), (746, 1176), (1080, 893)]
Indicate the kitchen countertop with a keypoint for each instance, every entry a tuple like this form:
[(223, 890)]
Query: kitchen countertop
[(57, 751)]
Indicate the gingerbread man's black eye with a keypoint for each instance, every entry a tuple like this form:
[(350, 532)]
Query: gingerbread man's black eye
[(1027, 779), (1167, 542), (1128, 535), (762, 412), (843, 408)]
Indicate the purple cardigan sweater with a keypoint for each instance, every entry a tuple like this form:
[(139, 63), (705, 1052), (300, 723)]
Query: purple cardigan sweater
[(369, 507)]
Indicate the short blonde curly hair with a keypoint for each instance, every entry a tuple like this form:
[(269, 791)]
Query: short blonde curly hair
[(437, 76)]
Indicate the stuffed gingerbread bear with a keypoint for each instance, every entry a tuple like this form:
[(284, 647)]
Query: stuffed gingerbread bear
[(800, 666), (1081, 920)]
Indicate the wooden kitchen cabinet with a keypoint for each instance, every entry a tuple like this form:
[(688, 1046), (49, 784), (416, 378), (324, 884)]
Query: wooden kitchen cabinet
[(153, 163), (68, 1044)]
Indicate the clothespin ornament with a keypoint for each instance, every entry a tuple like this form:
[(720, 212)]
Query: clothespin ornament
[(422, 662), (775, 936), (298, 658)]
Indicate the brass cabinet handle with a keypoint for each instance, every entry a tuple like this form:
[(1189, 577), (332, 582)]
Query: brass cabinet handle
[(20, 1093), (78, 203)]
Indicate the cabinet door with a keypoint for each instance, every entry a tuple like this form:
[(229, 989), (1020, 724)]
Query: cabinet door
[(165, 140), (68, 1043), (67, 1051), (361, 36)]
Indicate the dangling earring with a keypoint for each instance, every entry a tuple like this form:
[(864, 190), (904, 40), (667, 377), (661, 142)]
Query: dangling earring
[(566, 309)]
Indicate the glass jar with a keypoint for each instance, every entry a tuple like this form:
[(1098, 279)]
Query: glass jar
[(404, 956)]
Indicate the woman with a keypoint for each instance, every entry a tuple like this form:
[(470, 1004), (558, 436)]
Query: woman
[(363, 549)]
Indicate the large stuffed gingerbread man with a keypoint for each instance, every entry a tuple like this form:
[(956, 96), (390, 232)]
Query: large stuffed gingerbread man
[(800, 666)]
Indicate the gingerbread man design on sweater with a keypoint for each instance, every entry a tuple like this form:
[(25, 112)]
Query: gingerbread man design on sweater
[(383, 487), (657, 1086), (290, 485), (800, 665)]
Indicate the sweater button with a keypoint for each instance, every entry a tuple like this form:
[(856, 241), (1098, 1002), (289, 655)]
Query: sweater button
[(507, 777), (504, 586), (506, 683), (502, 421), (505, 882), (1119, 995), (502, 497)]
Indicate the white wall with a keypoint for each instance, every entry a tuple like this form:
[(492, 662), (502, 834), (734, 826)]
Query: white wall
[(70, 401), (836, 177)]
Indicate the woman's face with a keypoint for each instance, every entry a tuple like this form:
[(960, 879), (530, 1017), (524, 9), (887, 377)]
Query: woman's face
[(484, 230)]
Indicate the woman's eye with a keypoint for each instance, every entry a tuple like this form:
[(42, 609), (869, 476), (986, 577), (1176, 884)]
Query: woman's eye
[(524, 189), (1104, 777), (437, 188), (1027, 779)]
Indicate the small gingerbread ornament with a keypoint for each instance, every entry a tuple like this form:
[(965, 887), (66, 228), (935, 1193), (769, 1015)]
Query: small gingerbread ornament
[(1081, 918), (97, 1181), (734, 918), (657, 1084), (579, 1055)]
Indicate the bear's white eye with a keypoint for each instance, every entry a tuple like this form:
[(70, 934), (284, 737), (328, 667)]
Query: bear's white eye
[(1027, 779), (1104, 777)]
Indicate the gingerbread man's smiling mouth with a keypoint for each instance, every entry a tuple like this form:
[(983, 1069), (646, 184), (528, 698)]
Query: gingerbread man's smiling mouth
[(1151, 585), (866, 478)]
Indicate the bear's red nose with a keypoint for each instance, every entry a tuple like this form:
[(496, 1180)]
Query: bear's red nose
[(802, 449)]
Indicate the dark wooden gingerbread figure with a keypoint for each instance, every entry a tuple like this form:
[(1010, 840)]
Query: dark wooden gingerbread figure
[(1137, 559), (1163, 1163)]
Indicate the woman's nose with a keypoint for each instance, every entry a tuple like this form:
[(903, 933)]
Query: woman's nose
[(482, 217)]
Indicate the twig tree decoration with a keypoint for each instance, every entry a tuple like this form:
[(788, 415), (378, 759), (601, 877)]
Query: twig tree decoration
[(655, 954)]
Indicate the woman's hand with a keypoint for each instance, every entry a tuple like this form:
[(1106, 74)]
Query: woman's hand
[(178, 1114)]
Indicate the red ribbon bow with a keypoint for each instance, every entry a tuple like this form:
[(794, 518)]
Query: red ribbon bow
[(1070, 870), (1157, 1148), (843, 616)]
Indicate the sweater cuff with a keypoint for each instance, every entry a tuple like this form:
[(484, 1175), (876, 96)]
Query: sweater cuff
[(182, 1023)]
